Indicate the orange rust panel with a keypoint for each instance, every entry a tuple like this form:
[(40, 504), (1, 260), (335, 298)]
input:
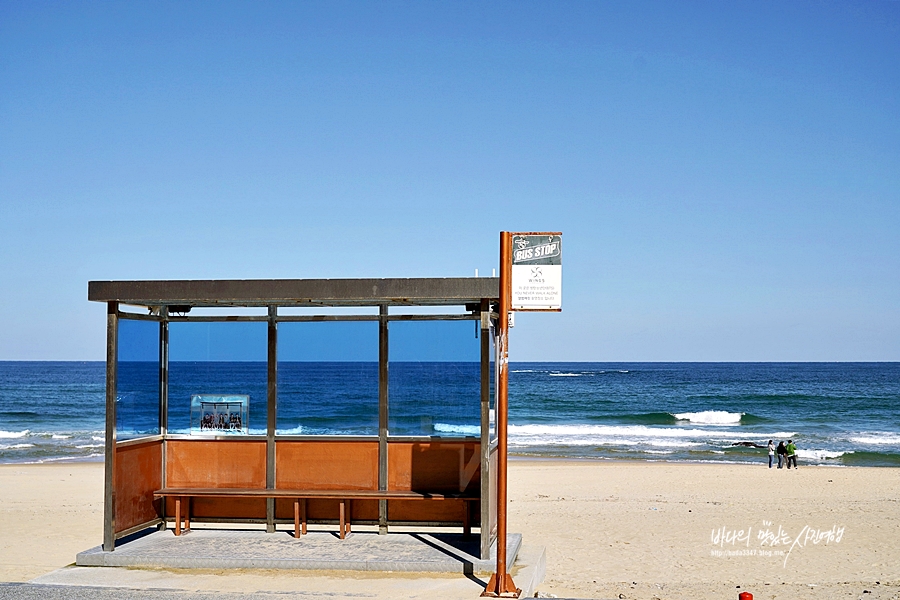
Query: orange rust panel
[(434, 466), (225, 508), (427, 510), (322, 509), (365, 510), (138, 475), (312, 465), (216, 463)]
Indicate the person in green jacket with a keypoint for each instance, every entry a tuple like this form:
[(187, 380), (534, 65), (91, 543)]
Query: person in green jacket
[(791, 454)]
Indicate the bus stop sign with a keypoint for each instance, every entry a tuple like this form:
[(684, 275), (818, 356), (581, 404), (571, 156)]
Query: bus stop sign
[(536, 271)]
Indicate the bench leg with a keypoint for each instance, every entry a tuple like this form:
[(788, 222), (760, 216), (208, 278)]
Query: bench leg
[(382, 517), (467, 519), (178, 515), (296, 518), (349, 514), (343, 533), (187, 513), (303, 516)]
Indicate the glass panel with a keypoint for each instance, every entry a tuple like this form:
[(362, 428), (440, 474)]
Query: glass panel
[(435, 378), (137, 381), (224, 359), (328, 378)]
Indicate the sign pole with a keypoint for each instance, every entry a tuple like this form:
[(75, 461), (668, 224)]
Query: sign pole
[(501, 583)]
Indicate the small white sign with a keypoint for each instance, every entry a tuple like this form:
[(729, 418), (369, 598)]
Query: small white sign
[(536, 272), (537, 287)]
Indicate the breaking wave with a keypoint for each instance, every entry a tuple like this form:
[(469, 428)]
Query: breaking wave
[(711, 417), (13, 434)]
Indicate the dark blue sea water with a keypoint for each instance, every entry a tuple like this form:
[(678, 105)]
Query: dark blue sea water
[(840, 414)]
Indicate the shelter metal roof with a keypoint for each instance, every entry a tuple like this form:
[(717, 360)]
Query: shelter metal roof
[(447, 291)]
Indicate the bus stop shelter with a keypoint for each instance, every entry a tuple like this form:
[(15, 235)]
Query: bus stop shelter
[(411, 441)]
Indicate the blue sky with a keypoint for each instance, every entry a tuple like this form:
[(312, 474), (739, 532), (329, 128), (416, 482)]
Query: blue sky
[(726, 174)]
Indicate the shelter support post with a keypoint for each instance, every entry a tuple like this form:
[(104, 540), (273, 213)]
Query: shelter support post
[(382, 415), (163, 398), (109, 496), (271, 408), (501, 583), (486, 342)]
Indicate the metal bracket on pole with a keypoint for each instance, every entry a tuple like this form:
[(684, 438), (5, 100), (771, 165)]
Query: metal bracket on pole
[(508, 584), (501, 584), (485, 319)]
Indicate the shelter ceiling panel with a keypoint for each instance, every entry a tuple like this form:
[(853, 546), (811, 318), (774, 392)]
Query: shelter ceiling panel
[(298, 292)]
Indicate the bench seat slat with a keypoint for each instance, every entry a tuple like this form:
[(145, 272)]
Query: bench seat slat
[(301, 496), (312, 494)]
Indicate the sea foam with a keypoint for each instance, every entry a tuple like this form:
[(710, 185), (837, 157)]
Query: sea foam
[(627, 435), (458, 429), (820, 454), (877, 439), (711, 417), (13, 434), (298, 430)]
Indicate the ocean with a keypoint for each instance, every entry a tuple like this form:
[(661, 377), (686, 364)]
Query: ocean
[(838, 414)]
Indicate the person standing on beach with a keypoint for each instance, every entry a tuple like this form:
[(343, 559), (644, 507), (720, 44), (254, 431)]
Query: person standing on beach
[(771, 448), (791, 454), (782, 451)]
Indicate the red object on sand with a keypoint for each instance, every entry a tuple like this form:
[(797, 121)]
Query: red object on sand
[(745, 596)]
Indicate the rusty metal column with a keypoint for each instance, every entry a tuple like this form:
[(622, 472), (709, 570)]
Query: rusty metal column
[(163, 398), (501, 582), (271, 414), (382, 415), (109, 495)]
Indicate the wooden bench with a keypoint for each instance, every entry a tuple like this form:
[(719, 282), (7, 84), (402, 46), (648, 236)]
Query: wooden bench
[(345, 498)]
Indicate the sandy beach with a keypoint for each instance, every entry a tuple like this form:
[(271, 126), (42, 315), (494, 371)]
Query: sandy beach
[(611, 529), (647, 530)]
